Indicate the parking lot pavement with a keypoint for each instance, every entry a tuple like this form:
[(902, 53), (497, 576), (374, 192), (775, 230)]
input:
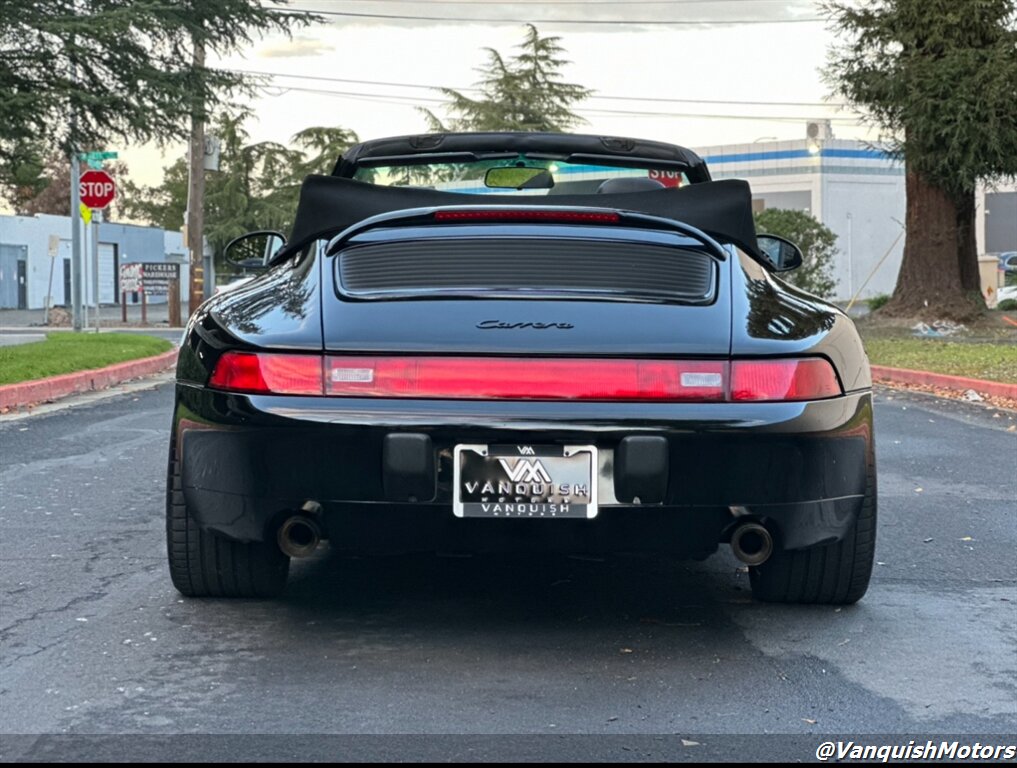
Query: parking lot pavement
[(10, 336), (637, 654), (14, 339), (156, 314)]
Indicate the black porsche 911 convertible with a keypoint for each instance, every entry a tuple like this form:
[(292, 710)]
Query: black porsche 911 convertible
[(480, 342)]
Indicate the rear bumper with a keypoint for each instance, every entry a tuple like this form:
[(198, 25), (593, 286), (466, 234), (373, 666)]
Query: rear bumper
[(248, 461)]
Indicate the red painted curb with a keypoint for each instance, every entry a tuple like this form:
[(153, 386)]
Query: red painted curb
[(43, 390), (886, 375)]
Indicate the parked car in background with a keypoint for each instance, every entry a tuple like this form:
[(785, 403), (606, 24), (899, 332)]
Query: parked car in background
[(1006, 293)]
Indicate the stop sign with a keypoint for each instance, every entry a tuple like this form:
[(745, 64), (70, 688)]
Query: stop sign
[(97, 189), (667, 178)]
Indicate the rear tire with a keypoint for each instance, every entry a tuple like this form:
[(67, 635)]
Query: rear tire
[(835, 574), (203, 564)]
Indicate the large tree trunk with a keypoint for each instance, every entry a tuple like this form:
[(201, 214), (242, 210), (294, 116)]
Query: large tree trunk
[(930, 283), (967, 247)]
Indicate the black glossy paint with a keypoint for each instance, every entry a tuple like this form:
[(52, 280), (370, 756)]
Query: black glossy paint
[(248, 461), (771, 317), (278, 310), (460, 326)]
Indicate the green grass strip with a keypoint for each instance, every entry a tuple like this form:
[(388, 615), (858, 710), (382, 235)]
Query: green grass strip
[(994, 362), (69, 352)]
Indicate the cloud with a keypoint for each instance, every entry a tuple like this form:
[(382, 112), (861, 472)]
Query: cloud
[(294, 48)]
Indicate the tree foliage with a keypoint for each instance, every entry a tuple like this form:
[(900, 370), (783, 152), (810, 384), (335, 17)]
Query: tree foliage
[(818, 244), (25, 177), (524, 92), (160, 206), (256, 187), (121, 68), (939, 78), (320, 148), (252, 189), (43, 184)]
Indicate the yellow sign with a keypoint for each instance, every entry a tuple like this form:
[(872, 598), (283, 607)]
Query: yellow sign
[(86, 214)]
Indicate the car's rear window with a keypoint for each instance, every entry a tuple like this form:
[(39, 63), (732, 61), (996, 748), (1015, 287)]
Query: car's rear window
[(471, 178)]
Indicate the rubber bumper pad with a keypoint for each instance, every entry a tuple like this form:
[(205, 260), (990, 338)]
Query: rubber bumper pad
[(408, 472), (641, 468)]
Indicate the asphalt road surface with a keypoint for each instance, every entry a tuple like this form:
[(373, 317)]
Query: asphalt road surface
[(649, 659)]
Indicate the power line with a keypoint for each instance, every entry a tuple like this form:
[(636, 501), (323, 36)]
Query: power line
[(565, 2), (601, 22), (568, 2), (659, 99), (400, 100), (385, 98), (766, 118)]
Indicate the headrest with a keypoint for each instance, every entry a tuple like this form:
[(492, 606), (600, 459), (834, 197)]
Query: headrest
[(628, 184)]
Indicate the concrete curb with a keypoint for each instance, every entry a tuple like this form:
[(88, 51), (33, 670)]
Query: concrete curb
[(43, 390), (885, 375)]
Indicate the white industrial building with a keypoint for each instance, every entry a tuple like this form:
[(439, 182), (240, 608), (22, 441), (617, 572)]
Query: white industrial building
[(35, 259), (856, 190)]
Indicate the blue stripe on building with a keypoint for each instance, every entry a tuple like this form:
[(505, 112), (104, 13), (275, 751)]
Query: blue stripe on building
[(791, 154)]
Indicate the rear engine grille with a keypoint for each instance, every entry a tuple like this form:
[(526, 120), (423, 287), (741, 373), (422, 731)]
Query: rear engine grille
[(522, 266)]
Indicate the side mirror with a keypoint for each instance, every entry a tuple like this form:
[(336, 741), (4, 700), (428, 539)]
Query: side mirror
[(254, 250), (515, 177), (780, 252)]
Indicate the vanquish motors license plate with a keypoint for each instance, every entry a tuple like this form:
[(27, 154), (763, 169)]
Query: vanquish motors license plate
[(532, 481)]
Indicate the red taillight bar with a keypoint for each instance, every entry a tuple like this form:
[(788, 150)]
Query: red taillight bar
[(515, 378), (502, 214), (767, 380), (491, 378), (265, 373)]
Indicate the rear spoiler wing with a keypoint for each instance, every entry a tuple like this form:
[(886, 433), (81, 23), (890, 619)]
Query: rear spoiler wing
[(504, 214), (721, 210)]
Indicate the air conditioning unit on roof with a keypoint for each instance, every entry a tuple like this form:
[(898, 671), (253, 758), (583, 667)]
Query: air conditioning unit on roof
[(818, 130)]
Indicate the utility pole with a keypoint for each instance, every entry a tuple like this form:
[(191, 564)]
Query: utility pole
[(75, 236), (72, 143), (96, 218), (195, 222)]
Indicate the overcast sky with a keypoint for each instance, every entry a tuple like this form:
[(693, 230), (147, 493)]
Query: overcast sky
[(627, 54)]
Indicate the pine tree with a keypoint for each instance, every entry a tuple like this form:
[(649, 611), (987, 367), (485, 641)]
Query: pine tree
[(523, 93), (321, 148), (120, 68)]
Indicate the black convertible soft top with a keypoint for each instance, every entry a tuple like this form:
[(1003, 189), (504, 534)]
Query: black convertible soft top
[(328, 205)]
